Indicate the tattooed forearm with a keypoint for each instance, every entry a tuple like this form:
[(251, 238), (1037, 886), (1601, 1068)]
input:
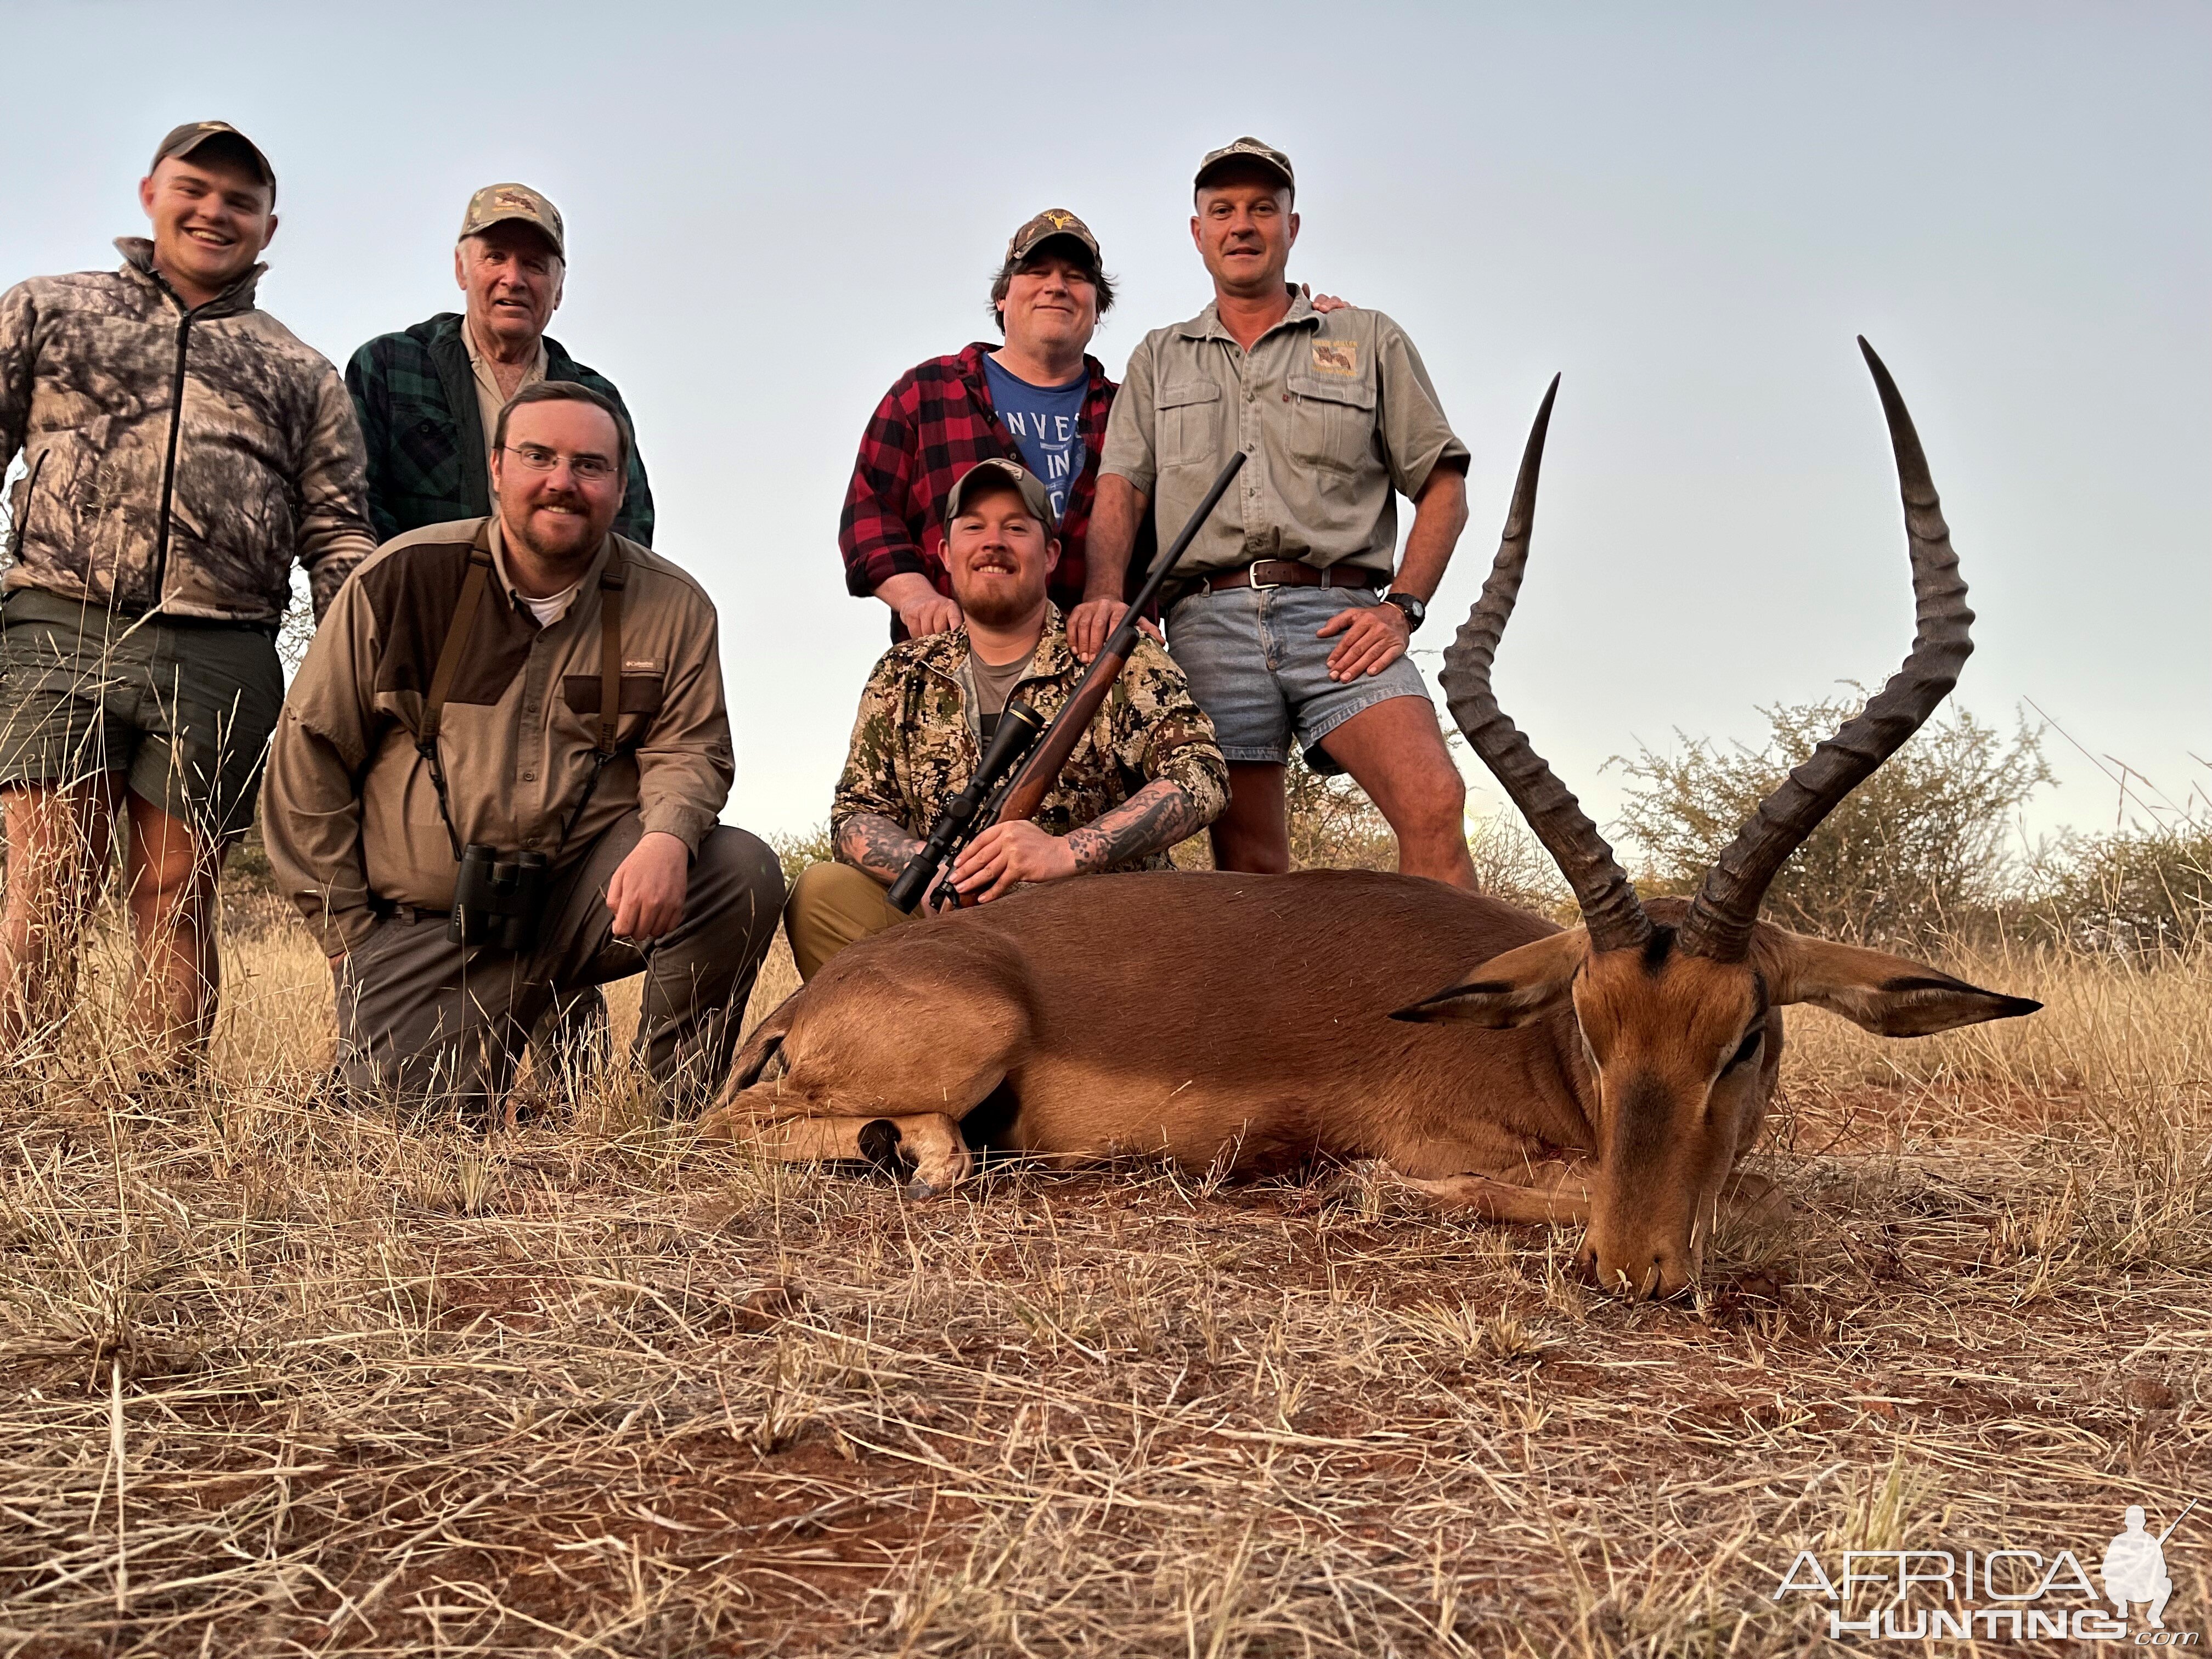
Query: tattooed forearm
[(1157, 817), (875, 845)]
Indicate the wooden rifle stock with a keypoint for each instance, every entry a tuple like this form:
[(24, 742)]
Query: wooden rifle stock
[(1042, 770)]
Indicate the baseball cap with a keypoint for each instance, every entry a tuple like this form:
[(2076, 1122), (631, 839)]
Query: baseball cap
[(497, 204), (995, 470), (1053, 221), (1248, 149), (183, 140)]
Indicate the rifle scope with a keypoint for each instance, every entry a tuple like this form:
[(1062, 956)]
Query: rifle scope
[(1010, 742)]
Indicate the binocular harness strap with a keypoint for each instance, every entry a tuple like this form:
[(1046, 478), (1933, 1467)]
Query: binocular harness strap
[(442, 681), (611, 581), (610, 609)]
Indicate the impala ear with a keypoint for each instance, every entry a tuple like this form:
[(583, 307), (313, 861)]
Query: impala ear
[(1890, 996), (1512, 989)]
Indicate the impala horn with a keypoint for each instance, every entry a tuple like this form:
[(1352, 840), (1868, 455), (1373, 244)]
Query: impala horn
[(1720, 917), (1609, 906)]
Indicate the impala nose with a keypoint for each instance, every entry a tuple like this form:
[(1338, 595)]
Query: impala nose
[(1654, 1274)]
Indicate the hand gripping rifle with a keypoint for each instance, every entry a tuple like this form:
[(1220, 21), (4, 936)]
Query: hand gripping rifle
[(1001, 793)]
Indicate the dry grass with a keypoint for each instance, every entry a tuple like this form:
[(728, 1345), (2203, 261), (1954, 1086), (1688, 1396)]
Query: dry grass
[(276, 1381)]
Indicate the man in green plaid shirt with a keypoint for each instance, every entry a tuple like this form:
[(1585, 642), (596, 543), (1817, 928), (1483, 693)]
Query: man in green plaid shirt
[(428, 397)]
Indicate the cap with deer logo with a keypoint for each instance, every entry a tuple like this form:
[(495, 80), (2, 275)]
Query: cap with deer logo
[(497, 204), (1053, 221)]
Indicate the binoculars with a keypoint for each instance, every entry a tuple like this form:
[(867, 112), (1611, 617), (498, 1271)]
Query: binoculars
[(497, 898)]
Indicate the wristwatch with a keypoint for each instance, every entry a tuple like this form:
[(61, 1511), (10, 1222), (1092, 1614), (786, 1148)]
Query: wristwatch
[(1416, 612)]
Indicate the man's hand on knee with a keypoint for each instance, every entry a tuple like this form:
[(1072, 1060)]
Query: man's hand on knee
[(647, 893)]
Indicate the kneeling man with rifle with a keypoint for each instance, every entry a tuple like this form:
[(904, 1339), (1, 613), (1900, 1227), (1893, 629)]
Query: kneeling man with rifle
[(1144, 774)]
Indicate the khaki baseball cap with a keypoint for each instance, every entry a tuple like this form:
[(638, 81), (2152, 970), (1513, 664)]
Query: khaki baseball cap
[(497, 204), (994, 470), (1246, 149), (1053, 221), (183, 140)]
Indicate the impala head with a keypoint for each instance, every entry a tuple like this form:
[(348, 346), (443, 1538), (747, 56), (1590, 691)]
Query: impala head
[(1677, 1002)]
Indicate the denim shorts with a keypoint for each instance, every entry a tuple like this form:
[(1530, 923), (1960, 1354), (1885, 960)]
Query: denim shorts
[(1258, 668)]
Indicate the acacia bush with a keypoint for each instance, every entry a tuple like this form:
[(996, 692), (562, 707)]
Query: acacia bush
[(2133, 891), (1923, 847)]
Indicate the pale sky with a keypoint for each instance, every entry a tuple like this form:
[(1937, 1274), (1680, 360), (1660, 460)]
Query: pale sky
[(1689, 210)]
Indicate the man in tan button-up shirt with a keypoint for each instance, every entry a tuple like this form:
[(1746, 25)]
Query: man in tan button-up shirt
[(643, 877), (1281, 619)]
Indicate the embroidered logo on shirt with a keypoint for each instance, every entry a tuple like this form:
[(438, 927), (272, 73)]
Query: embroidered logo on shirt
[(641, 664), (1336, 356)]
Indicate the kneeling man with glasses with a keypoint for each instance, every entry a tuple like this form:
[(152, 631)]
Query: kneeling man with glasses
[(497, 778)]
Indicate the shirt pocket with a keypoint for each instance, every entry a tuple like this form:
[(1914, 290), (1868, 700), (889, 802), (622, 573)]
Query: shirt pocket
[(1331, 424), (642, 696), (1189, 420)]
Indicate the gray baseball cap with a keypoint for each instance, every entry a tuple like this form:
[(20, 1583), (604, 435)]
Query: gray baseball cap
[(994, 470)]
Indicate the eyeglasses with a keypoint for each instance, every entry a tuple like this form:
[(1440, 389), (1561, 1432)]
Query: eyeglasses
[(588, 469)]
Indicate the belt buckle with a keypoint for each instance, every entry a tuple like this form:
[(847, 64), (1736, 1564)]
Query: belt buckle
[(1252, 577)]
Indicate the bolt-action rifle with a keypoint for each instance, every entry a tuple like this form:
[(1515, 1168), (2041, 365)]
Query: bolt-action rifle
[(1027, 759)]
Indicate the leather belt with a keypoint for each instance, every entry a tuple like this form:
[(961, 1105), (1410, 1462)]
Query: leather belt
[(1291, 573)]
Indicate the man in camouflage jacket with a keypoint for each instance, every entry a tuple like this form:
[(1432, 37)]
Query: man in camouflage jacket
[(181, 449), (1146, 775)]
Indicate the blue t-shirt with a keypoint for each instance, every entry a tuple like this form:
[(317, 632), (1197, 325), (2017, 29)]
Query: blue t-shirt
[(1046, 423)]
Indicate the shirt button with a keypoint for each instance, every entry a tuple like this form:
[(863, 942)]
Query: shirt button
[(530, 777), (1286, 397)]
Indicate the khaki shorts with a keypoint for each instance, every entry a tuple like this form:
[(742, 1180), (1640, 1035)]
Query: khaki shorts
[(181, 710)]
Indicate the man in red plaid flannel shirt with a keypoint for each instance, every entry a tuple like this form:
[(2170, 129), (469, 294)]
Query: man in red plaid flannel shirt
[(940, 418)]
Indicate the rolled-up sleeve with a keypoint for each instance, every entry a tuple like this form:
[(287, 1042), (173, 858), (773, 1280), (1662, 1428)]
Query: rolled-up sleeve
[(310, 798), (1129, 451), (1416, 436), (1161, 733), (685, 763), (877, 534)]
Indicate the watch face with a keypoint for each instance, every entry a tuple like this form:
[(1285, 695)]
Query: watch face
[(1416, 612)]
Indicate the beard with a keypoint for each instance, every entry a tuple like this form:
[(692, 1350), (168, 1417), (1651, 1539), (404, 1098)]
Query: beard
[(1001, 604), (557, 537)]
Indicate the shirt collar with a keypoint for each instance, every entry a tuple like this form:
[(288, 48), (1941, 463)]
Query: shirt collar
[(491, 538), (482, 364), (139, 255), (1207, 325), (948, 653)]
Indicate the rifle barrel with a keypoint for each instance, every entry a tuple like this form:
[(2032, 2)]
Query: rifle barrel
[(1057, 741), (2178, 1520)]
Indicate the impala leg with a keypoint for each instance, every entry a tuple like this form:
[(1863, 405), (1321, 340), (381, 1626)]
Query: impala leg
[(929, 1142), (1557, 1194)]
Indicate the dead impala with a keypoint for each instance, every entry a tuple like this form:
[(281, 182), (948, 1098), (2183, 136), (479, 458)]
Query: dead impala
[(1612, 1073)]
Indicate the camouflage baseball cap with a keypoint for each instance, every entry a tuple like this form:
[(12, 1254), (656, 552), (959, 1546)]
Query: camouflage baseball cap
[(1246, 149), (183, 140), (497, 204), (995, 470), (1053, 221)]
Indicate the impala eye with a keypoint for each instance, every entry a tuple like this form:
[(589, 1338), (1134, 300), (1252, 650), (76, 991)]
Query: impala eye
[(1747, 1047)]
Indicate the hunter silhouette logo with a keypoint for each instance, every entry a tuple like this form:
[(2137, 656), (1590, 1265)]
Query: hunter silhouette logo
[(2001, 1595)]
